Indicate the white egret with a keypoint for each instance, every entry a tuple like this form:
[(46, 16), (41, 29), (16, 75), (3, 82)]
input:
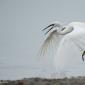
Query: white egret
[(70, 40)]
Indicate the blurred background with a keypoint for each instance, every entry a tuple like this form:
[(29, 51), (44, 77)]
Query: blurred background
[(21, 22)]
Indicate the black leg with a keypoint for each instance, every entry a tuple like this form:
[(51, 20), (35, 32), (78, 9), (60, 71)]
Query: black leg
[(83, 55)]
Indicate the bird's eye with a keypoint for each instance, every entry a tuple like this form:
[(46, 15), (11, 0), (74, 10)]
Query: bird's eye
[(63, 28)]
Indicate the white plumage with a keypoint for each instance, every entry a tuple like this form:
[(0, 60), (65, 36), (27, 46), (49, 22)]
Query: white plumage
[(70, 44)]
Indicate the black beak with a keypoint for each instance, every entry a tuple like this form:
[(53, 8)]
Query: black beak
[(52, 25)]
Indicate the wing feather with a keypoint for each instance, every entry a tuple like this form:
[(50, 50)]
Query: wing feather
[(79, 41), (49, 42)]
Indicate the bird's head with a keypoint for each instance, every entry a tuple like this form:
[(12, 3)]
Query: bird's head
[(60, 29)]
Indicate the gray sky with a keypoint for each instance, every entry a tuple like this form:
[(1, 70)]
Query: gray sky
[(21, 22)]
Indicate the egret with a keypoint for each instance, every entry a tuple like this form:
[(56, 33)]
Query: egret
[(70, 40)]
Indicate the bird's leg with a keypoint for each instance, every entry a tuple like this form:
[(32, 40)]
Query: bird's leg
[(83, 55), (80, 50)]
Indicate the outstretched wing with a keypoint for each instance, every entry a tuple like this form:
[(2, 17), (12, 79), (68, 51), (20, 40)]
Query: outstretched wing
[(50, 42), (78, 37)]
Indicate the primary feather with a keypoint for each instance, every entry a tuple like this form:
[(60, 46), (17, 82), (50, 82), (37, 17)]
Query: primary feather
[(49, 42)]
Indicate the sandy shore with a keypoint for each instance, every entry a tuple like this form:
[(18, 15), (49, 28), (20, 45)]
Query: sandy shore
[(42, 81)]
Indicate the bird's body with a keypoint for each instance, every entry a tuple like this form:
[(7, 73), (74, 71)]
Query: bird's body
[(70, 44)]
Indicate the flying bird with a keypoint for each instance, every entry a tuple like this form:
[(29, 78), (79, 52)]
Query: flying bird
[(73, 33)]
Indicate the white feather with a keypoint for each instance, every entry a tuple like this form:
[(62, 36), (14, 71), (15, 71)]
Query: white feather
[(70, 47)]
